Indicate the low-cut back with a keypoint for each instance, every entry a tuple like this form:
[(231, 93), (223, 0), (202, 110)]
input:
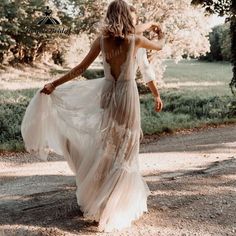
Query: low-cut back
[(96, 126), (124, 63)]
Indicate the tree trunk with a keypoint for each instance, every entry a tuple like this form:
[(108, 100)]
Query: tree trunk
[(233, 51)]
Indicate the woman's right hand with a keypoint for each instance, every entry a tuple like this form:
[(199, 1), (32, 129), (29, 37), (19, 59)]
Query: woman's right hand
[(48, 88), (158, 104)]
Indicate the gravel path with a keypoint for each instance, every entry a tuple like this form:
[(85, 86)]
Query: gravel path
[(191, 176)]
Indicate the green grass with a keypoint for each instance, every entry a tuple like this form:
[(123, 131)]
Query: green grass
[(13, 105), (57, 72), (200, 73), (194, 70), (184, 111), (185, 107), (93, 74), (189, 105)]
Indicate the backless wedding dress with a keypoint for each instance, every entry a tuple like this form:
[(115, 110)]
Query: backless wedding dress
[(95, 125)]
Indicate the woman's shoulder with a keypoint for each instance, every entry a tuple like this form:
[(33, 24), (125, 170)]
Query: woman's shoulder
[(131, 37)]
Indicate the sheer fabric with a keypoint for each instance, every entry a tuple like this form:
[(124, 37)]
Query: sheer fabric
[(95, 125)]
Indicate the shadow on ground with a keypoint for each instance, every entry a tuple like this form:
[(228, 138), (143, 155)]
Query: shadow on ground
[(196, 200)]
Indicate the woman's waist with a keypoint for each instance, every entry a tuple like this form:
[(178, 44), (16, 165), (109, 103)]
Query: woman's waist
[(119, 80)]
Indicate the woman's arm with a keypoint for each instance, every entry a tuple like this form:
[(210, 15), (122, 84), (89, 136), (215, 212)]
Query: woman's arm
[(153, 87), (149, 78), (157, 98), (76, 71), (143, 42), (139, 29)]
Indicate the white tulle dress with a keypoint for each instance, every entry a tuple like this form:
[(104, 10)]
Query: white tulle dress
[(95, 125)]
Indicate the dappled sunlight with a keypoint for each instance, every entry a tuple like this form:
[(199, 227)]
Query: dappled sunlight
[(42, 168), (208, 188)]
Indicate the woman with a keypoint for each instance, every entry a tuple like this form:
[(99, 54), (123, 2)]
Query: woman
[(95, 125)]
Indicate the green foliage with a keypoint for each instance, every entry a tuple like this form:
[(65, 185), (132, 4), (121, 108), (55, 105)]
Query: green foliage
[(15, 17), (54, 72), (13, 105), (84, 15), (224, 8), (220, 44), (185, 111), (187, 107), (20, 38), (233, 50), (191, 105), (180, 112), (93, 73), (19, 45)]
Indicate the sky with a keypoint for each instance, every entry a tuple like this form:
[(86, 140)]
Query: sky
[(216, 20)]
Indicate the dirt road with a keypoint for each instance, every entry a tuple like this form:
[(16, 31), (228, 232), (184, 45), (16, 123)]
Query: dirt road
[(192, 178)]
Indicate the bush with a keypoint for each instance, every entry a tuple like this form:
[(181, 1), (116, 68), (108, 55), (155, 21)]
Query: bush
[(13, 105), (181, 110), (93, 73)]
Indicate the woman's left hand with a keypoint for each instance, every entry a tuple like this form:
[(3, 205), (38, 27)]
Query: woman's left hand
[(48, 88), (155, 27)]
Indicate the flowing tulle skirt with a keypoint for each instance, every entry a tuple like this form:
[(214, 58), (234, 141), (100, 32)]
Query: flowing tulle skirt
[(95, 125)]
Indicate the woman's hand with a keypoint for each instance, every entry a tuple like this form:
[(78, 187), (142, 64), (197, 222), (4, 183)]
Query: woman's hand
[(155, 27), (157, 30), (48, 88), (158, 104), (149, 27)]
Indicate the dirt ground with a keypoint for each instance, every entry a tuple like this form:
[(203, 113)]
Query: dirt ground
[(191, 175)]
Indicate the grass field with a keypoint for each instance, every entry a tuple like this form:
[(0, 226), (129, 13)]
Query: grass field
[(197, 93), (203, 78)]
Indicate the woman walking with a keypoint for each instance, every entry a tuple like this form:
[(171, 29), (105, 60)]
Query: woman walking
[(95, 125)]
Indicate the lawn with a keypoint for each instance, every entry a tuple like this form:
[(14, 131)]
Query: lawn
[(197, 94), (203, 78)]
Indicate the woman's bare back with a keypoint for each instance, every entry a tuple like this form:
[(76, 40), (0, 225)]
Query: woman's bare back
[(116, 53)]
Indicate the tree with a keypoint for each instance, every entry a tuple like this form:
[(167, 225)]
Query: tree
[(84, 16), (15, 42), (220, 44), (20, 41), (185, 26), (224, 8), (226, 43)]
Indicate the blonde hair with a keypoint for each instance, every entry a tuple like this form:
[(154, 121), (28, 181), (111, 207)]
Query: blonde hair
[(118, 21)]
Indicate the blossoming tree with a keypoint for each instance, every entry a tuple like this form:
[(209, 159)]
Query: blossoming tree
[(186, 28)]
